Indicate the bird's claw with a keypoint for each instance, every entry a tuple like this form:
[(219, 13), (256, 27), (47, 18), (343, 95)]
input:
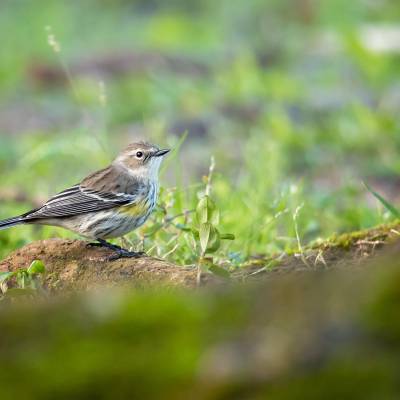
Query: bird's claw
[(93, 244), (119, 252), (122, 253)]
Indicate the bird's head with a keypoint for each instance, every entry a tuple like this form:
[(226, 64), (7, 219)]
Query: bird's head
[(141, 159)]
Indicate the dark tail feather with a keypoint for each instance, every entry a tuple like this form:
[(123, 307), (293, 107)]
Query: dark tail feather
[(7, 223)]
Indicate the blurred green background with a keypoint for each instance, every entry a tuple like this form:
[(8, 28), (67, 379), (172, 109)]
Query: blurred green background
[(297, 101)]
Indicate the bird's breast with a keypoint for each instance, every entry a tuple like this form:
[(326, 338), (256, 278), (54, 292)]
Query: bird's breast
[(135, 209), (144, 203)]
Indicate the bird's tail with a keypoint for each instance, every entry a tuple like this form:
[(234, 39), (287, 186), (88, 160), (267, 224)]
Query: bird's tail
[(7, 223)]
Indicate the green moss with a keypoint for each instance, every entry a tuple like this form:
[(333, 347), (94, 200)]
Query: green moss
[(381, 232)]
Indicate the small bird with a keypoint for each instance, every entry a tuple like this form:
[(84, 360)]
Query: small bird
[(108, 203)]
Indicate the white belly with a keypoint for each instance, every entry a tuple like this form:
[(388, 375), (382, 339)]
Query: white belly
[(100, 225)]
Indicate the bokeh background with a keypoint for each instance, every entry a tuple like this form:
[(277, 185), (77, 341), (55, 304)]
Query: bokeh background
[(298, 102)]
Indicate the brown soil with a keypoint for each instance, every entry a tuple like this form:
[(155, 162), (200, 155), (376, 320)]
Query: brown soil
[(71, 264)]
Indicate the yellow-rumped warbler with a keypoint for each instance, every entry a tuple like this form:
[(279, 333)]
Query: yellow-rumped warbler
[(108, 203)]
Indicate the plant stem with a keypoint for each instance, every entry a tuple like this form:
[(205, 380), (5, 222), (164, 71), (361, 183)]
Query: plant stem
[(210, 175)]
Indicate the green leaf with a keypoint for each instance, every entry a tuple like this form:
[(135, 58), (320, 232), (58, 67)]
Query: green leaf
[(206, 211), (219, 271), (5, 275), (390, 207), (21, 276), (196, 234), (36, 267), (214, 218), (214, 241), (209, 238), (204, 235), (202, 210), (227, 236)]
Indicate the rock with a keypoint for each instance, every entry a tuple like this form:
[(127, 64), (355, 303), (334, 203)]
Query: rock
[(71, 264)]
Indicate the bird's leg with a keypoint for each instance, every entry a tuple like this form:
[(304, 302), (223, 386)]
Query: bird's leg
[(110, 246), (103, 243), (119, 251), (123, 253)]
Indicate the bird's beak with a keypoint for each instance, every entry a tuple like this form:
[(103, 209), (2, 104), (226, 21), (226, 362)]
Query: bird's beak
[(162, 152)]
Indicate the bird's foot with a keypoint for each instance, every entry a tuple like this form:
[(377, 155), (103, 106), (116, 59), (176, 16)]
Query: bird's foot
[(119, 252), (93, 244), (123, 253)]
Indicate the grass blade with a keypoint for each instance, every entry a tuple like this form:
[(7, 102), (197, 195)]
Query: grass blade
[(390, 207)]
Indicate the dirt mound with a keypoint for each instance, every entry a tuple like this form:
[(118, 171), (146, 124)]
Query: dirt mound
[(71, 264)]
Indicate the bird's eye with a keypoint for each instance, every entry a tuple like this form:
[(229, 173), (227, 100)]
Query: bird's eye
[(139, 154)]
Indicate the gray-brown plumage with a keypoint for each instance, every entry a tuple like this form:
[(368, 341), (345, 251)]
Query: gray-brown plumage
[(108, 203)]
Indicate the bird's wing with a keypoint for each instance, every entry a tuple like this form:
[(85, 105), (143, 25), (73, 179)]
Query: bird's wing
[(79, 200)]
